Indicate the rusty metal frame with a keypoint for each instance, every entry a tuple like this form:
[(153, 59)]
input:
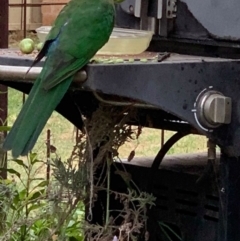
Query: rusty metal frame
[(24, 5), (4, 89), (4, 24)]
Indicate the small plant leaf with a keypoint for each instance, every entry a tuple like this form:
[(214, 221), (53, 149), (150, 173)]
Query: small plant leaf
[(163, 225), (20, 163), (38, 179), (42, 184), (32, 156), (22, 194), (6, 181), (10, 170), (35, 161), (5, 128), (37, 194), (13, 207), (16, 200), (36, 206)]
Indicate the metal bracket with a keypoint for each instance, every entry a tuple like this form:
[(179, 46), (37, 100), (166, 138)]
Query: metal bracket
[(169, 12), (161, 22), (132, 7), (171, 9), (159, 9), (138, 8)]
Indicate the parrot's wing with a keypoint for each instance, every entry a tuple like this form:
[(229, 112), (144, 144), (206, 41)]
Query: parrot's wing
[(55, 30), (51, 37), (61, 70), (87, 35)]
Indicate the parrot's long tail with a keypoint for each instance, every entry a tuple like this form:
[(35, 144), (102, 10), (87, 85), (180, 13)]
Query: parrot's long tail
[(34, 115)]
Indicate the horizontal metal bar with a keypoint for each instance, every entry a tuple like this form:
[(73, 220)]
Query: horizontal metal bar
[(18, 73), (35, 4)]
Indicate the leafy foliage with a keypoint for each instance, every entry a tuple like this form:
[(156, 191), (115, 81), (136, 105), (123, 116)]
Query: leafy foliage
[(34, 208), (28, 212)]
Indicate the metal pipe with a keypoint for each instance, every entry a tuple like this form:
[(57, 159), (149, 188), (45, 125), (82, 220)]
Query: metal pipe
[(160, 155), (36, 4), (162, 138), (4, 16), (211, 150), (123, 103), (48, 154), (210, 168), (18, 73), (144, 15), (24, 18)]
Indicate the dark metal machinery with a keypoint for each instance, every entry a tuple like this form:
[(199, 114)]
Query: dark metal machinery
[(195, 90)]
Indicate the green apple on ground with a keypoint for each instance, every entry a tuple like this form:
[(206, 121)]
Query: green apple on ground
[(26, 46)]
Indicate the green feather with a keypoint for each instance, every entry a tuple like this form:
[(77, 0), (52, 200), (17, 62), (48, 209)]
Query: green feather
[(81, 29)]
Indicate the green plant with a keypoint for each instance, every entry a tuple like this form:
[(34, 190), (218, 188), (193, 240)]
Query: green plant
[(166, 230), (28, 210)]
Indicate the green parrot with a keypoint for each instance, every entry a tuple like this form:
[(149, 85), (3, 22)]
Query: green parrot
[(79, 31)]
